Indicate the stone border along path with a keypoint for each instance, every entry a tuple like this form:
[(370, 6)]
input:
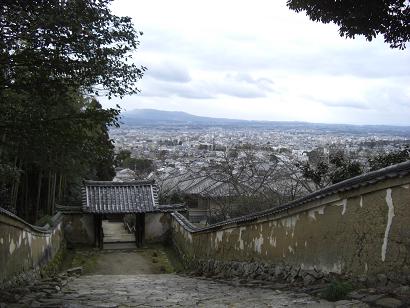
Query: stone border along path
[(160, 290)]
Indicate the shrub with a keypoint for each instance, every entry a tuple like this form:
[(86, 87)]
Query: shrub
[(44, 221), (337, 290)]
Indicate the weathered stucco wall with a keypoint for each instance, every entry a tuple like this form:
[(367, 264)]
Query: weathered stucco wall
[(157, 227), (79, 229), (357, 232), (24, 247)]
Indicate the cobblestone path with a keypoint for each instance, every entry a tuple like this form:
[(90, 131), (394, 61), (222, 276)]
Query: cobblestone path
[(169, 290), (131, 279)]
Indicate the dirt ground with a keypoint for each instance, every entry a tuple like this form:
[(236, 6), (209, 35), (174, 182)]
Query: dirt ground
[(121, 262), (124, 263)]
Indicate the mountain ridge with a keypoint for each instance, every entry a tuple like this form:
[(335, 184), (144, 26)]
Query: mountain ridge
[(148, 116)]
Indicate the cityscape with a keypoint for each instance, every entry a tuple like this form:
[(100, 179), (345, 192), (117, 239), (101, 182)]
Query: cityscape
[(223, 168), (173, 146), (204, 153)]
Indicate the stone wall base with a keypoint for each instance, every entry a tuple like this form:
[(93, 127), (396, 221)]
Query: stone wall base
[(259, 271), (291, 275)]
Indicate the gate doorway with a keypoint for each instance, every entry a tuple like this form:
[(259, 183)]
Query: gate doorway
[(120, 231), (113, 203)]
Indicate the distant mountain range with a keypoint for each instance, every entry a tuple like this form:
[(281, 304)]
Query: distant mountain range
[(154, 117), (144, 116)]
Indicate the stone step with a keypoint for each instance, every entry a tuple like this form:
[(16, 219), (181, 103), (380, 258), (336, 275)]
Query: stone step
[(118, 234), (117, 238), (120, 245)]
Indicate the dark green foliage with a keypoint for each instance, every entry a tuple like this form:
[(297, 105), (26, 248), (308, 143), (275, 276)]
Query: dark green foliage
[(45, 220), (344, 168), (328, 170), (53, 55), (384, 160), (317, 174), (50, 147), (174, 198), (121, 157), (53, 46), (141, 166), (337, 290), (368, 18)]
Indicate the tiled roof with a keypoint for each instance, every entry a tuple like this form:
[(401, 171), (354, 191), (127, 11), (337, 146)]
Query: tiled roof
[(120, 197)]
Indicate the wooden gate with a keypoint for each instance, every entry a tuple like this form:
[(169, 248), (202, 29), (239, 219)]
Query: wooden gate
[(139, 229)]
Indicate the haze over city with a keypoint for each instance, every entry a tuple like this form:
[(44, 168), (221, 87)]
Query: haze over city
[(262, 61)]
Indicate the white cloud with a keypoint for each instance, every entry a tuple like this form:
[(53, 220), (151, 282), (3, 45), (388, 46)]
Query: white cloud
[(259, 60), (236, 85), (171, 72)]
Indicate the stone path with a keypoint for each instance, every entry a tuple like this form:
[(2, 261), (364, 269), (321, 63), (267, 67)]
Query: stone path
[(130, 279), (167, 290)]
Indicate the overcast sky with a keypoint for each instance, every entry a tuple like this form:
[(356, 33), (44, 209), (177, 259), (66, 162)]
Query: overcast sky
[(258, 60)]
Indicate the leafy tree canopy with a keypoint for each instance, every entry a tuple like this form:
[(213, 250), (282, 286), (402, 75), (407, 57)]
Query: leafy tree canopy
[(330, 170), (141, 166), (387, 159), (369, 18), (66, 44), (121, 156)]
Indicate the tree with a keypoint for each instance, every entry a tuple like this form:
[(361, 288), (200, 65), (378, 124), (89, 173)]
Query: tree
[(121, 156), (57, 147), (387, 159), (58, 45), (326, 170), (141, 166), (251, 181), (54, 55), (368, 18)]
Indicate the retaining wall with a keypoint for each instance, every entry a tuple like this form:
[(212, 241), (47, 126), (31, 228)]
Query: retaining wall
[(358, 228), (25, 248)]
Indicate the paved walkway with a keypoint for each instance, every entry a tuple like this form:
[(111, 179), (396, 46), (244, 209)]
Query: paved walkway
[(131, 279), (169, 290)]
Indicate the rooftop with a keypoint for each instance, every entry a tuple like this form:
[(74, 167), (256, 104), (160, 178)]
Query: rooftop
[(120, 197)]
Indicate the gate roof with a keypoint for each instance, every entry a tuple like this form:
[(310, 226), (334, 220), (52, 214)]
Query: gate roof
[(120, 197)]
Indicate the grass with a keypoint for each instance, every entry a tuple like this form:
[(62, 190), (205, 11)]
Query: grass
[(86, 258), (173, 259), (159, 258), (164, 258)]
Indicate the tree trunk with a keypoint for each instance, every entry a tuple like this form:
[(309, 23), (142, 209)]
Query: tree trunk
[(60, 188), (48, 210), (3, 141), (53, 196), (26, 196), (37, 205), (14, 190)]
